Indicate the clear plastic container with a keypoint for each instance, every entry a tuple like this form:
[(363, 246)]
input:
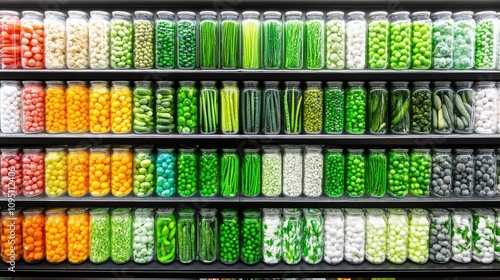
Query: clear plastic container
[(122, 171), (463, 172), (376, 236), (397, 235), (485, 109), (420, 172), (10, 23), (251, 237), (271, 171), (378, 96), (209, 107), (421, 36), (251, 107), (77, 104), (334, 172), (315, 40), (209, 40), (122, 42), (464, 99), (230, 99), (376, 173), (165, 107), (144, 40), (271, 108), (334, 236), (100, 235), (378, 40), (78, 235), (121, 235), (33, 104), (313, 241), (418, 236), (294, 40), (442, 107), (144, 171), (398, 173), (440, 236), (400, 108), (271, 235), (54, 27), (442, 40), (166, 161), (230, 40), (461, 244), (250, 40), (33, 169), (11, 107), (355, 108), (165, 40), (100, 107), (485, 173), (354, 247), (334, 108), (56, 165), (33, 224), (464, 40), (77, 40), (251, 174), (143, 109), (99, 171), (441, 184), (230, 173), (292, 236), (313, 108), (272, 40), (486, 51), (421, 108), (143, 230), (187, 172), (99, 40), (187, 107), (313, 171), (32, 44), (292, 108), (483, 235), (78, 171), (208, 235), (55, 107), (356, 40), (335, 40), (229, 238), (355, 172), (165, 235), (293, 170), (400, 41), (56, 228)]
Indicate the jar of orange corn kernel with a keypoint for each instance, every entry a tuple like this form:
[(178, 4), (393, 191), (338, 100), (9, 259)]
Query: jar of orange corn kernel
[(121, 170), (33, 235), (100, 105), (121, 107), (55, 107), (99, 171), (56, 168), (12, 235), (78, 171), (56, 226), (78, 235), (77, 102)]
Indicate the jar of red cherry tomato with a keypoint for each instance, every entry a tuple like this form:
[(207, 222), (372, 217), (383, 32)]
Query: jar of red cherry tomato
[(10, 34)]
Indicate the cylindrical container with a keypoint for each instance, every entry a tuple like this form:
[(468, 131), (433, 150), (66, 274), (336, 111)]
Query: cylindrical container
[(56, 177), (122, 171), (100, 107), (272, 235), (208, 235), (293, 170), (378, 40), (187, 172), (483, 236), (485, 109), (420, 172), (78, 235), (77, 40), (121, 235), (143, 231), (294, 40), (313, 171), (378, 98), (33, 169), (418, 236), (144, 40), (486, 50), (10, 24), (144, 171), (334, 236), (399, 173), (440, 236), (442, 40), (497, 234), (56, 229), (230, 99), (230, 173), (463, 106), (292, 108), (421, 40), (313, 108), (400, 108), (11, 103), (485, 172), (99, 171), (251, 107), (271, 171), (355, 108), (464, 38), (99, 40), (442, 108), (77, 103), (313, 236), (33, 235), (12, 235), (187, 107), (334, 108), (122, 41), (397, 235), (165, 235), (251, 176), (421, 108), (165, 107), (78, 171), (463, 172), (291, 243), (209, 107), (209, 173), (376, 173), (166, 172), (54, 27), (11, 171), (355, 172), (461, 244), (32, 40), (143, 109), (354, 252), (497, 152), (335, 40), (186, 236), (334, 170), (272, 40), (400, 41), (100, 235), (55, 107), (355, 40), (229, 40), (315, 40), (250, 40), (165, 40), (209, 40), (376, 236), (271, 108), (441, 184), (251, 236), (229, 238)]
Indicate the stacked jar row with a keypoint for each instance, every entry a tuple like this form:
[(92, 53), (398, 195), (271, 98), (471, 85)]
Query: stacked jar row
[(443, 40)]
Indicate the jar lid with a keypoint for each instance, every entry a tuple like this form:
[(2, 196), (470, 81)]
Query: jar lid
[(272, 14), (56, 148), (375, 211), (354, 211), (186, 13), (464, 150), (165, 211), (143, 211), (121, 14), (54, 14), (311, 211), (98, 82), (335, 14), (142, 82), (421, 83), (378, 14), (35, 13), (100, 148), (33, 211), (400, 14), (250, 14), (164, 83), (54, 82), (463, 14), (78, 210), (76, 82), (143, 13), (58, 210), (207, 212), (271, 211), (165, 150), (100, 13), (208, 13), (442, 150), (229, 13), (33, 149), (292, 211), (164, 14), (331, 211), (251, 150), (77, 14), (25, 83), (378, 83), (122, 148), (485, 14), (293, 13), (99, 211), (421, 14), (400, 211), (187, 149), (439, 211), (120, 211), (315, 14), (144, 148), (78, 148), (186, 212), (446, 14), (400, 83), (229, 212), (356, 14), (355, 83), (9, 13), (334, 83)]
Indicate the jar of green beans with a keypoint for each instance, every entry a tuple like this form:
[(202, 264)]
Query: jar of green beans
[(271, 171), (464, 99), (122, 45), (186, 236), (315, 40), (400, 108), (209, 107), (165, 40), (143, 109), (229, 40), (272, 40), (209, 40), (378, 40), (187, 172), (230, 173), (271, 108), (209, 169), (376, 173), (355, 172), (230, 99), (165, 235), (208, 235), (251, 107), (121, 235), (187, 108), (335, 40), (250, 40), (334, 108), (421, 108), (165, 107), (229, 236), (355, 108), (251, 173), (186, 40), (100, 235), (144, 39), (335, 171), (251, 236), (399, 173), (294, 40), (313, 108), (292, 108), (378, 96)]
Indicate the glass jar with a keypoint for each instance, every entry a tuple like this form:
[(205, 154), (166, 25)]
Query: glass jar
[(100, 235), (209, 40), (143, 230), (208, 235), (376, 173), (294, 40), (187, 172), (356, 40), (250, 173), (293, 171), (399, 173), (77, 104), (461, 244), (55, 107), (355, 108), (498, 101), (229, 238), (355, 172), (334, 236), (229, 40), (441, 184), (165, 235), (11, 170), (78, 171), (186, 40), (251, 238), (272, 40), (354, 252), (483, 235), (56, 228), (440, 236), (335, 40), (400, 41), (33, 224), (376, 239), (209, 107), (442, 40), (400, 108), (209, 172), (378, 96), (99, 171), (334, 172), (464, 35), (121, 235), (144, 171), (122, 44), (250, 40), (144, 39), (464, 102), (12, 235), (143, 109), (418, 237), (421, 36), (420, 172), (442, 108), (54, 26), (292, 236), (497, 233), (397, 235), (334, 108), (463, 172), (100, 107), (78, 235), (32, 51), (165, 107), (498, 172), (11, 107), (165, 40), (187, 108), (292, 108), (421, 108), (271, 235), (485, 110), (271, 108), (486, 50), (485, 173), (313, 242), (313, 108), (251, 107), (56, 177), (10, 24), (122, 171), (77, 40), (166, 172), (271, 171), (121, 107), (313, 171), (33, 171), (315, 40), (378, 40), (99, 40), (229, 179), (230, 98)]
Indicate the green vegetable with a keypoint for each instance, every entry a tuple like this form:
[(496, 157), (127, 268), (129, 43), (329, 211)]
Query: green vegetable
[(100, 235), (251, 173), (292, 104), (209, 40), (230, 96), (250, 45), (377, 114), (376, 176), (230, 171), (272, 40), (230, 40), (121, 235), (208, 235), (186, 234), (209, 107)]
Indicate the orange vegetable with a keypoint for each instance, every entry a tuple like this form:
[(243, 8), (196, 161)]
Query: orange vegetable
[(77, 98), (33, 235), (12, 235), (56, 235), (78, 171), (100, 171), (55, 107), (78, 235), (121, 171)]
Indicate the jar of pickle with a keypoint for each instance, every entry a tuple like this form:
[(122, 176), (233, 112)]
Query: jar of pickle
[(421, 36), (354, 252), (78, 171), (122, 45), (187, 172), (334, 108), (12, 235), (78, 235), (334, 170), (335, 40), (165, 40), (376, 236), (100, 107), (400, 108), (464, 99), (186, 40), (292, 236), (209, 107), (121, 171), (187, 108), (378, 40), (229, 238), (272, 40), (418, 236), (99, 171), (271, 235), (10, 24), (294, 40), (121, 235), (442, 108), (378, 96), (400, 44), (272, 182), (229, 40), (420, 172), (442, 40), (56, 235), (143, 108), (485, 109), (100, 235), (166, 172), (293, 170), (292, 108), (144, 40), (271, 111), (464, 35), (461, 244), (334, 236), (313, 108), (55, 107), (250, 40), (33, 235), (33, 96), (230, 96), (121, 107), (251, 175), (209, 40), (32, 51), (33, 170), (355, 108), (229, 178), (77, 102), (165, 107), (313, 240), (440, 236), (485, 179), (210, 174), (77, 40), (421, 108), (251, 107), (441, 177), (166, 229), (208, 232), (54, 26), (355, 170), (376, 173), (99, 39), (144, 171), (56, 165), (186, 236), (315, 40), (397, 235), (483, 235), (313, 171), (463, 172), (143, 231), (11, 171), (11, 110)]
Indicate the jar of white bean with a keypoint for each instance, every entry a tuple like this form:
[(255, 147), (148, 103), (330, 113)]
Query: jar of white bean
[(376, 236), (55, 40), (99, 34), (354, 247), (356, 40), (77, 40), (313, 171), (334, 236), (292, 171), (271, 171), (11, 107), (486, 108)]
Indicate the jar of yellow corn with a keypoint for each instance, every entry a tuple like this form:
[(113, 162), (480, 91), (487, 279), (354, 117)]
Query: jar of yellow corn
[(55, 107), (78, 171), (77, 100), (78, 235), (121, 170), (100, 104), (56, 160), (99, 171), (121, 107)]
